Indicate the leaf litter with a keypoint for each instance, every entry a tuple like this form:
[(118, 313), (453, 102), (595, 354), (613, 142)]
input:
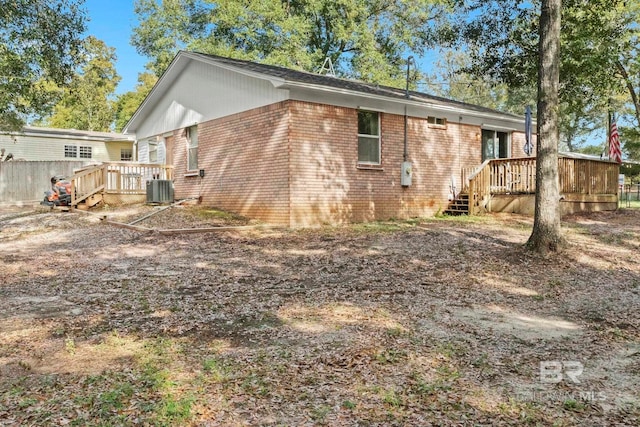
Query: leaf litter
[(425, 322)]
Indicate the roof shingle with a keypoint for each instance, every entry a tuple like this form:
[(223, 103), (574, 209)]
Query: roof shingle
[(296, 76)]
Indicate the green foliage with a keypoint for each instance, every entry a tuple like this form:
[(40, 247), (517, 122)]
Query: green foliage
[(366, 39), (390, 356), (347, 404), (87, 103), (174, 411), (40, 44), (599, 62), (594, 150), (451, 80), (631, 138), (128, 103)]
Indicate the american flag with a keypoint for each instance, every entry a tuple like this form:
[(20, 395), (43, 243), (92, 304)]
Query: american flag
[(614, 144)]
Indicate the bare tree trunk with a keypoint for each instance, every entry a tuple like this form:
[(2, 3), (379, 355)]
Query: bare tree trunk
[(546, 235)]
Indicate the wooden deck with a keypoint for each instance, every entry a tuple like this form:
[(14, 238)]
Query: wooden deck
[(118, 179), (500, 185)]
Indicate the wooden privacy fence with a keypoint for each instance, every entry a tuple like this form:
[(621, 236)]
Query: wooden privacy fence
[(518, 176), (588, 176), (116, 178), (26, 181)]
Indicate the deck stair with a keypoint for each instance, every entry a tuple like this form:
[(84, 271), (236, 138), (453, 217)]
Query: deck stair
[(459, 206)]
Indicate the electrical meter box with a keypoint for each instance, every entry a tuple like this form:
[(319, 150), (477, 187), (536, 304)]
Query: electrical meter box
[(407, 173)]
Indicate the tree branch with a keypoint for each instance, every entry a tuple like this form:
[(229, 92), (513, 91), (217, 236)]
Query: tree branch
[(632, 91)]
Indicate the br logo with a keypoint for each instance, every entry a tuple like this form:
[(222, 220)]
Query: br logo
[(554, 371)]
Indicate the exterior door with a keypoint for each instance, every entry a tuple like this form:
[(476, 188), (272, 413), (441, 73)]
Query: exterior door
[(168, 141), (495, 144)]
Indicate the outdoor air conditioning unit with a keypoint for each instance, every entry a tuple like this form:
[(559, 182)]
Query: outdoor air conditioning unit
[(160, 191)]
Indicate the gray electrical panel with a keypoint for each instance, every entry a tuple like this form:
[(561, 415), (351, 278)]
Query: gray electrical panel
[(407, 173)]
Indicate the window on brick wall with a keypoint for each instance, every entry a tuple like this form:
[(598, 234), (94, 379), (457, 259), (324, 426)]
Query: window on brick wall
[(71, 151), (437, 121), (192, 147), (369, 137), (85, 152), (495, 144)]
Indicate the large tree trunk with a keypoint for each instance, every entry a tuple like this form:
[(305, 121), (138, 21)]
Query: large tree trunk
[(546, 235)]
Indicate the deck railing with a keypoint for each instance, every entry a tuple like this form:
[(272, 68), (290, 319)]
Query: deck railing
[(512, 176), (86, 182), (588, 176), (518, 176), (479, 184), (115, 178), (131, 178)]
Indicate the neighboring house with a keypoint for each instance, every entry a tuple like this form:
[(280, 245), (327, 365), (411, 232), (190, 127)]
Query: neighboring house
[(300, 149), (34, 143)]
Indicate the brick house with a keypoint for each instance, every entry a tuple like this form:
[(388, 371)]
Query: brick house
[(301, 149)]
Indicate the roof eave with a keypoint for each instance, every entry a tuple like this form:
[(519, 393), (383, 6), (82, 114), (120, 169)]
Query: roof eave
[(158, 89), (406, 101), (69, 134), (156, 92)]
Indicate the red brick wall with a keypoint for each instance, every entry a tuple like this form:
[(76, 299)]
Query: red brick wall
[(327, 186), (295, 163), (517, 144), (245, 158)]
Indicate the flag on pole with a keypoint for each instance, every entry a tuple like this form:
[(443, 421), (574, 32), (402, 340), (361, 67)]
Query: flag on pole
[(614, 144), (528, 145)]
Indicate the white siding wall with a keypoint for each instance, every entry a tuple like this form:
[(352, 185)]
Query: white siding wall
[(45, 148), (162, 152), (143, 151), (204, 92)]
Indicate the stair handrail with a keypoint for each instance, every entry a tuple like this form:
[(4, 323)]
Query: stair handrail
[(479, 169), (478, 190), (80, 192)]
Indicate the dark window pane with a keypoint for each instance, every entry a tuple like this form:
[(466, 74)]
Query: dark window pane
[(368, 123)]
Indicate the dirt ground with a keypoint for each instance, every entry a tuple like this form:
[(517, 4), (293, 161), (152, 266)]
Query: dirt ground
[(422, 322)]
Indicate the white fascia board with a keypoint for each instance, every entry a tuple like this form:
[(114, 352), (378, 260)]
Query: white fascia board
[(493, 126), (70, 134), (408, 102)]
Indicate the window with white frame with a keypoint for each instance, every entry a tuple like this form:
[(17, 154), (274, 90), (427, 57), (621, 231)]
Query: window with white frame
[(70, 151), (153, 152), (126, 154), (437, 121), (85, 152), (368, 137), (495, 144), (192, 144)]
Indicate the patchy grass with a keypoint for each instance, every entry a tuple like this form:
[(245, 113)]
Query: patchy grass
[(206, 213), (459, 218), (392, 323), (631, 204)]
